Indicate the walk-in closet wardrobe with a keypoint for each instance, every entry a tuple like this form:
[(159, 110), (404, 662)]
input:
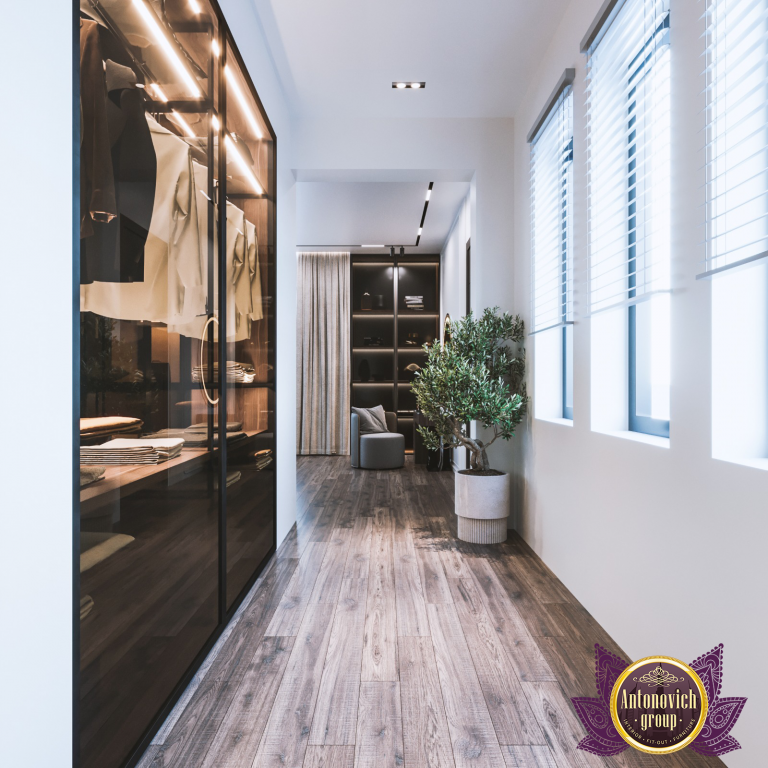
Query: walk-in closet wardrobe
[(175, 162)]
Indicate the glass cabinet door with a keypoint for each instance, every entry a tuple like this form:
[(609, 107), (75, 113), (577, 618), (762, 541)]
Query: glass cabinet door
[(250, 211), (177, 356)]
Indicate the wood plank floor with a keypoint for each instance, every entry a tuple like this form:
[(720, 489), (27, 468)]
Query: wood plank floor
[(376, 638)]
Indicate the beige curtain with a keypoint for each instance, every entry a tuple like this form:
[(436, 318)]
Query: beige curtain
[(322, 356)]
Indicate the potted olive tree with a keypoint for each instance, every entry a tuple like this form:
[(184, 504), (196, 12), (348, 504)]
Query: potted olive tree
[(475, 376)]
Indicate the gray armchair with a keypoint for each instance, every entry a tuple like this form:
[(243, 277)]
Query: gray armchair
[(382, 450)]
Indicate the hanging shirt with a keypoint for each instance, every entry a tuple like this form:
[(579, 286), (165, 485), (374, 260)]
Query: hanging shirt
[(252, 242), (172, 291), (237, 268)]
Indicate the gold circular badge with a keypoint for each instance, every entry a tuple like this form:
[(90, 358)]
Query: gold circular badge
[(658, 705)]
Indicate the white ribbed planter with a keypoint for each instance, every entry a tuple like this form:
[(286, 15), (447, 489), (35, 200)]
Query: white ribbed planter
[(482, 506)]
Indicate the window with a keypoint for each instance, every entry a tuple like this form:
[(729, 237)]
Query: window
[(737, 132), (736, 257), (552, 247), (628, 82)]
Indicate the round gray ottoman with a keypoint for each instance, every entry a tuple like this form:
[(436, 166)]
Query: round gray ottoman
[(382, 450)]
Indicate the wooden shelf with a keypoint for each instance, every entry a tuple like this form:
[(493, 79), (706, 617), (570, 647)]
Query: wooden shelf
[(407, 277), (124, 479)]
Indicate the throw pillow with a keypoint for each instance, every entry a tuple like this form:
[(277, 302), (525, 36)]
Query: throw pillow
[(372, 420)]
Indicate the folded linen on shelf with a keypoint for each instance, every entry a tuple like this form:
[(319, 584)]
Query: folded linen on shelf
[(242, 373), (89, 475), (263, 458), (94, 429), (232, 426), (414, 302), (196, 438), (200, 439), (111, 423), (128, 451)]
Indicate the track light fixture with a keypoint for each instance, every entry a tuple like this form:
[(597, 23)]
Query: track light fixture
[(424, 212), (405, 84)]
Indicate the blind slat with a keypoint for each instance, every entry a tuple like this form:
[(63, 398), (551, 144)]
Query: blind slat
[(551, 217), (735, 67), (628, 139)]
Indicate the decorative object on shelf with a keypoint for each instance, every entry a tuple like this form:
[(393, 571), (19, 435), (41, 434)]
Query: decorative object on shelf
[(412, 339), (447, 329), (414, 302), (373, 341), (364, 370), (378, 301), (413, 367), (476, 377), (366, 302)]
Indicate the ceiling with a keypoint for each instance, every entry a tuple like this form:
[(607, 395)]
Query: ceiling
[(346, 214), (340, 57)]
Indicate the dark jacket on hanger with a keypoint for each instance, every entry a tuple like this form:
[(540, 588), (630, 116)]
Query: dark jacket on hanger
[(97, 187), (115, 253)]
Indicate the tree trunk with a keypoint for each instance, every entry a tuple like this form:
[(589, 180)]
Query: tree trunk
[(478, 459)]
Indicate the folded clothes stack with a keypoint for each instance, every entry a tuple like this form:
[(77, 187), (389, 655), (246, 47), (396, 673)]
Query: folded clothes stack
[(414, 302), (232, 426), (196, 435), (263, 458), (90, 475), (128, 451), (239, 373), (199, 438), (94, 430)]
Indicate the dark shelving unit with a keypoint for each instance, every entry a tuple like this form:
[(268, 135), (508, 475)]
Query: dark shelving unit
[(389, 327)]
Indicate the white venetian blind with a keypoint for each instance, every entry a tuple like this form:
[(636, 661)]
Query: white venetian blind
[(736, 70), (551, 217), (628, 136)]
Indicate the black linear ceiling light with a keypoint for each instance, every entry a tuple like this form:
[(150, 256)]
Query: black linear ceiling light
[(424, 212), (414, 84)]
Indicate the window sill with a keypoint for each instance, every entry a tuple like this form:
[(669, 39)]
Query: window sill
[(553, 420), (753, 463), (639, 437)]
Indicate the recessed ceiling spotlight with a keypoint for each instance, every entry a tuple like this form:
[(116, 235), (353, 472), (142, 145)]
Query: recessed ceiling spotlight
[(401, 85), (408, 84), (415, 85)]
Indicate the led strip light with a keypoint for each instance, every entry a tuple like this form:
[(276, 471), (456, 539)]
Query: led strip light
[(151, 21)]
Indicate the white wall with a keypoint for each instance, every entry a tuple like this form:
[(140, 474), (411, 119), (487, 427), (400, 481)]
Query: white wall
[(453, 268), (453, 279), (37, 465), (248, 33), (596, 506)]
